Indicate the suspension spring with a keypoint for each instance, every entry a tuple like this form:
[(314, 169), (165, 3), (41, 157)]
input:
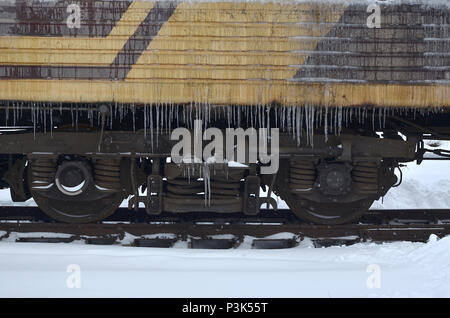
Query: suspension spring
[(107, 174), (302, 176), (182, 188), (365, 175), (42, 172)]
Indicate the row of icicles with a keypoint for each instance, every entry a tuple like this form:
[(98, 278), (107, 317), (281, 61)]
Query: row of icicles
[(162, 118)]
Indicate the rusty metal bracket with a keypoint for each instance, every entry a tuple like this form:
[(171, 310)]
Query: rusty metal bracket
[(251, 195), (269, 202), (15, 178), (153, 202), (346, 150)]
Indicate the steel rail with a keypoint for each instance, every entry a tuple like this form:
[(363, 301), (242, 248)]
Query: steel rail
[(33, 213), (376, 225)]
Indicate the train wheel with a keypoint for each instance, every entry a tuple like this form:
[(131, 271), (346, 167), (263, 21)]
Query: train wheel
[(328, 213), (73, 191), (297, 184)]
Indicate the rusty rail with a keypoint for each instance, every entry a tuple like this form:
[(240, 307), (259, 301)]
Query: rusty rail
[(376, 225)]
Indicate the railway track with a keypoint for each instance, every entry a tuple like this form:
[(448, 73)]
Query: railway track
[(268, 230)]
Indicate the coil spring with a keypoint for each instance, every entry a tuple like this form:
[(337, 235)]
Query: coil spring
[(107, 173), (365, 177), (43, 172), (302, 175), (182, 188)]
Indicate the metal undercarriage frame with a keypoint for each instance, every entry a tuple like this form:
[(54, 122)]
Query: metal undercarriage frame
[(131, 146), (139, 145)]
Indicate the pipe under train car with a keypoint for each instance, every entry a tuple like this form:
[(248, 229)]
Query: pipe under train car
[(91, 92)]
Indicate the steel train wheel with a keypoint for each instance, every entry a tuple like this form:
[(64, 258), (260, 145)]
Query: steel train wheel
[(295, 179), (76, 211), (68, 193), (328, 213)]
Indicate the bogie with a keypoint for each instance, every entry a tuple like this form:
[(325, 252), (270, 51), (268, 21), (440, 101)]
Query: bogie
[(87, 171)]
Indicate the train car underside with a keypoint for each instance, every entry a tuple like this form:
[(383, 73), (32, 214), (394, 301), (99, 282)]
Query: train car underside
[(332, 164)]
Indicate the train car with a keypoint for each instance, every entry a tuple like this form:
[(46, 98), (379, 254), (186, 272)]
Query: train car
[(93, 94)]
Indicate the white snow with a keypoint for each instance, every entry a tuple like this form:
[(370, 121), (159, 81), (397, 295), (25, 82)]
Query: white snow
[(424, 186), (400, 269)]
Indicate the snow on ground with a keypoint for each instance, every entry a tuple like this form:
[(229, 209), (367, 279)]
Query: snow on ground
[(399, 269), (424, 186)]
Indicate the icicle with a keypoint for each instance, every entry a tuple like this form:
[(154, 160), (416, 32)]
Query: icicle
[(157, 125), (308, 122), (335, 121), (261, 116), (379, 117), (239, 117), (33, 114), (51, 122), (207, 184), (170, 117), (6, 115), (326, 124), (145, 121), (373, 119), (332, 119), (298, 123), (320, 119), (45, 120), (313, 109), (151, 126), (340, 120), (14, 114), (351, 115), (76, 118), (288, 118), (277, 125), (190, 117), (133, 114), (166, 116)]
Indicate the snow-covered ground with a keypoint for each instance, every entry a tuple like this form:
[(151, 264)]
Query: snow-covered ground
[(424, 186), (400, 269), (361, 270)]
